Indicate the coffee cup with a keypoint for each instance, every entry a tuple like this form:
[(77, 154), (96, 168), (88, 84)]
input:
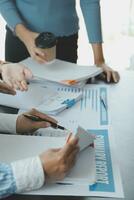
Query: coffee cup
[(47, 42)]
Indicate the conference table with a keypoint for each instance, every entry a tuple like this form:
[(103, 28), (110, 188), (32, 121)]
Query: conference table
[(122, 115)]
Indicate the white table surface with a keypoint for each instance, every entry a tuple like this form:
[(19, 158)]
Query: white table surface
[(122, 115)]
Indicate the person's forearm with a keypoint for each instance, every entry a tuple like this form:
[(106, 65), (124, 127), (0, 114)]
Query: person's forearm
[(98, 53), (22, 33), (92, 18), (27, 37)]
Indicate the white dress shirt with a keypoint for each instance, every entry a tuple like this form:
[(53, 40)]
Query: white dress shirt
[(8, 123)]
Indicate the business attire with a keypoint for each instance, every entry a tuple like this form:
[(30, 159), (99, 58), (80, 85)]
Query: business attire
[(18, 176), (59, 17)]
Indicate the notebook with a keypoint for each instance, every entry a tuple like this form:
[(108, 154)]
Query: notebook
[(45, 99), (61, 71)]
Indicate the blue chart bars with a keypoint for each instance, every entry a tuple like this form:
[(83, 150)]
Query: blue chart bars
[(93, 98)]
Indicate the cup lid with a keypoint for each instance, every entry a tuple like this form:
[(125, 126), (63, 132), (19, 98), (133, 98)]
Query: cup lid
[(46, 40)]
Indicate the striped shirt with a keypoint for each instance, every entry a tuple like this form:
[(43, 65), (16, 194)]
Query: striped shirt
[(20, 176), (7, 180)]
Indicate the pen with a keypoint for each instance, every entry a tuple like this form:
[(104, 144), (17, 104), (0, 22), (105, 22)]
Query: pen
[(64, 183), (38, 119), (104, 104)]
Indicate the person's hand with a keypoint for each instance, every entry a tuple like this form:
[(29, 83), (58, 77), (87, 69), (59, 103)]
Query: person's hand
[(16, 75), (36, 53), (4, 88), (27, 126), (109, 75), (57, 162), (28, 38)]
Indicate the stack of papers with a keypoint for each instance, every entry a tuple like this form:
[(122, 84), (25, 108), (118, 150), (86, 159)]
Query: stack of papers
[(45, 99), (61, 71)]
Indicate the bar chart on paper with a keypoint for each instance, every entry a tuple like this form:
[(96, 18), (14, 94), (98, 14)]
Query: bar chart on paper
[(91, 110)]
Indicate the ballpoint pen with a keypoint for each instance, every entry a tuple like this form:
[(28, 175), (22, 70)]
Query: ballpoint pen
[(38, 119), (103, 102)]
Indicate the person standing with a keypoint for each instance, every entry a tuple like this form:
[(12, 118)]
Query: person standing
[(26, 19)]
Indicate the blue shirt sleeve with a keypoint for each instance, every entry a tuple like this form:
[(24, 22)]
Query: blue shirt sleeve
[(7, 181), (28, 15), (10, 13), (92, 17)]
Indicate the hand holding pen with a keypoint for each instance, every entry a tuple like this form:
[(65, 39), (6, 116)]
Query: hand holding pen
[(33, 120), (48, 120), (39, 119), (52, 124)]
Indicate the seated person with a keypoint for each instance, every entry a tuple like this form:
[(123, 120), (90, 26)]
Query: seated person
[(20, 176)]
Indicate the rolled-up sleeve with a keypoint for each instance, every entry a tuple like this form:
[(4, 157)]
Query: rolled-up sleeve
[(8, 123), (28, 174), (21, 176), (92, 17), (10, 13)]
